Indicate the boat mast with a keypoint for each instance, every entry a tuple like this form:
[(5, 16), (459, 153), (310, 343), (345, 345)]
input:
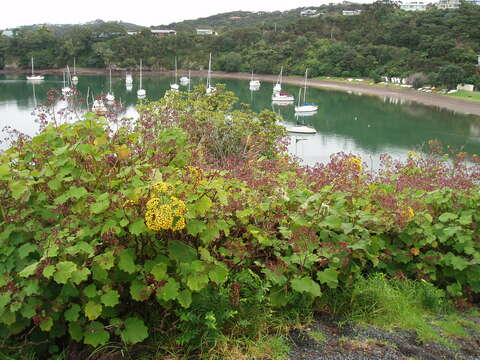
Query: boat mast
[(189, 81), (175, 69), (305, 90), (209, 69), (32, 65), (74, 70), (140, 73), (110, 71)]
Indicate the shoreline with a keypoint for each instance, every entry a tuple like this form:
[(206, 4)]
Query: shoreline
[(469, 107)]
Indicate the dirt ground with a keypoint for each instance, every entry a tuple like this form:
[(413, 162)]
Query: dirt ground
[(345, 340)]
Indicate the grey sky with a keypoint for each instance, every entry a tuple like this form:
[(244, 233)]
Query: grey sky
[(144, 12)]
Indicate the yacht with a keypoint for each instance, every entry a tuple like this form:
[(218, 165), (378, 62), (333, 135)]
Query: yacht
[(306, 107), (141, 92), (33, 76)]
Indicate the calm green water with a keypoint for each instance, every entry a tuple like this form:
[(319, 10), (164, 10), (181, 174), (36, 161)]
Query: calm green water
[(364, 125)]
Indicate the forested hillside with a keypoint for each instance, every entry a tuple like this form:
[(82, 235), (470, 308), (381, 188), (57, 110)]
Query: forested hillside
[(383, 40)]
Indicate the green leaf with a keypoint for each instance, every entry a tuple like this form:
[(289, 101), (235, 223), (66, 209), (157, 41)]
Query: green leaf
[(195, 227), (106, 260), (197, 282), (48, 271), (64, 271), (139, 291), (81, 275), (181, 252), (4, 170), (77, 192), (29, 270), (93, 310), (159, 271), (100, 206), (306, 285), (138, 227), (185, 298), (26, 249), (218, 274), (203, 205), (135, 331), (329, 277), (95, 334), (46, 324), (73, 313), (127, 261), (90, 291), (110, 298), (75, 330), (169, 291), (445, 217)]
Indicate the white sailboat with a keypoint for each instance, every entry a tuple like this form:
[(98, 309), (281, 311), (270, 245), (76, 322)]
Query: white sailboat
[(254, 83), (210, 89), (110, 97), (185, 80), (66, 89), (74, 77), (306, 107), (128, 79), (33, 76), (175, 86), (277, 95), (141, 93), (189, 81)]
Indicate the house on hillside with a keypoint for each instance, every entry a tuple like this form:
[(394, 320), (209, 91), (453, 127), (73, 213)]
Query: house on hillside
[(308, 12), (206, 32), (351, 12), (413, 5), (448, 4), (163, 32), (235, 17), (474, 2)]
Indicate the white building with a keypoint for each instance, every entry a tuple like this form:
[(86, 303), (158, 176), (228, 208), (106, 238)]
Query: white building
[(308, 12), (474, 2), (351, 12), (413, 5), (206, 32), (8, 33), (163, 32), (448, 4)]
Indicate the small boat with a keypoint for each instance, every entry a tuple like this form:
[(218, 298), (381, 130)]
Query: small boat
[(184, 80), (66, 90), (254, 83), (283, 97), (99, 107), (33, 76), (74, 77), (278, 86), (141, 93), (210, 89), (110, 97), (128, 79), (175, 86), (306, 107), (300, 129)]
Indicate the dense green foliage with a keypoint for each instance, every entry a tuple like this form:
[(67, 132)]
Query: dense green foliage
[(383, 40), (193, 222)]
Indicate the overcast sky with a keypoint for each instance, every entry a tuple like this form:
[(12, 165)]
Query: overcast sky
[(142, 12)]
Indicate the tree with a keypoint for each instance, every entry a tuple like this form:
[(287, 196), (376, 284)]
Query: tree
[(451, 75)]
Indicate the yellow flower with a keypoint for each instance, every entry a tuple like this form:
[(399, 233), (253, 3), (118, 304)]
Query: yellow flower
[(414, 251), (356, 163), (162, 187), (129, 203), (410, 213), (169, 216), (153, 203)]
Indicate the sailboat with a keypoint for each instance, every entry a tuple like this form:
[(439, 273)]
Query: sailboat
[(74, 77), (277, 95), (141, 93), (306, 107), (210, 89), (184, 80), (175, 86), (66, 89), (189, 81), (33, 76), (110, 97), (128, 79), (300, 128), (254, 83)]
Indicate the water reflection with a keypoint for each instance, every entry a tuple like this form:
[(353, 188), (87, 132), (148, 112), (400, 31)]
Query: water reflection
[(364, 125)]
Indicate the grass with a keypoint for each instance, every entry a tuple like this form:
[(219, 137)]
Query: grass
[(466, 95), (318, 336)]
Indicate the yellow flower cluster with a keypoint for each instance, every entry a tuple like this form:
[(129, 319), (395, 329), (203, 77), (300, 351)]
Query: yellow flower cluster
[(409, 212), (414, 251), (129, 203), (195, 173), (356, 163), (162, 187), (170, 216)]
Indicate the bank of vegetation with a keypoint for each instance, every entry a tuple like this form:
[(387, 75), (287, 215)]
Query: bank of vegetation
[(190, 232), (439, 46)]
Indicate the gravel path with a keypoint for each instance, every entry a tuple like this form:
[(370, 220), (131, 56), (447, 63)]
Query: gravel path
[(350, 341)]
